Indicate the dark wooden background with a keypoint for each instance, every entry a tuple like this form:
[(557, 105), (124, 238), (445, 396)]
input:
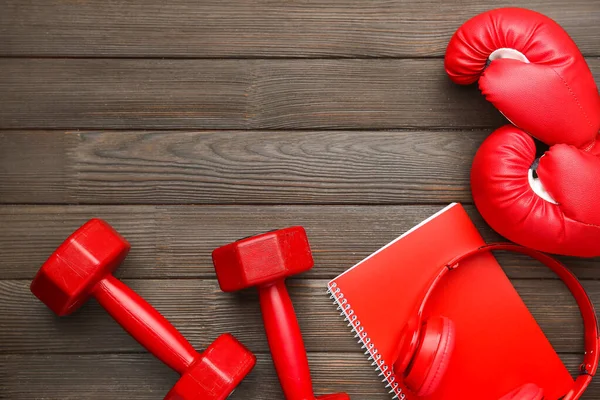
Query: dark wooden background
[(188, 124)]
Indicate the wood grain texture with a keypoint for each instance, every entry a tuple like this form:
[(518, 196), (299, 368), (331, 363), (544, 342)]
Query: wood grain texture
[(35, 166), (176, 241), (140, 377), (188, 124), (234, 167), (202, 312), (238, 94), (324, 28)]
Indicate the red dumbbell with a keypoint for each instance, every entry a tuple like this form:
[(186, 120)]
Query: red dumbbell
[(82, 267), (265, 261)]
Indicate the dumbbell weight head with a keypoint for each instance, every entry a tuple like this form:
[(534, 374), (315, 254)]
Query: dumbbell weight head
[(336, 396), (66, 280), (265, 261), (82, 266), (216, 373), (261, 259)]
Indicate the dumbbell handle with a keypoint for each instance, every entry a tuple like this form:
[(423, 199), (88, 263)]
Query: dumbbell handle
[(285, 341), (145, 324)]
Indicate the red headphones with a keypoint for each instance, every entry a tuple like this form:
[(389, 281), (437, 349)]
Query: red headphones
[(425, 347)]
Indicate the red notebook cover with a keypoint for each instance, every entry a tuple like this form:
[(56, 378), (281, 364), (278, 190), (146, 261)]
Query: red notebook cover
[(499, 345)]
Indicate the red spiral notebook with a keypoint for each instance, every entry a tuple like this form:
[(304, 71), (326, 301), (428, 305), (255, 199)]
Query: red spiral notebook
[(499, 345)]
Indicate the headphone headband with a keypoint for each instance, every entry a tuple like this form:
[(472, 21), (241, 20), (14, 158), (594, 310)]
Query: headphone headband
[(586, 307)]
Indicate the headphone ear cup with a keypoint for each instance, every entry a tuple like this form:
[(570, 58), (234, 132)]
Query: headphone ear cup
[(528, 391), (431, 359)]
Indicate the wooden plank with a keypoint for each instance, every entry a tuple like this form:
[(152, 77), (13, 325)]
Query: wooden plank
[(176, 241), (202, 312), (117, 93), (36, 167), (324, 28), (138, 376), (239, 94), (233, 167), (233, 94)]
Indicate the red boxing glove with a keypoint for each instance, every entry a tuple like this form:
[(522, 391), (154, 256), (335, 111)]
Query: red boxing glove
[(536, 76), (561, 215), (533, 72)]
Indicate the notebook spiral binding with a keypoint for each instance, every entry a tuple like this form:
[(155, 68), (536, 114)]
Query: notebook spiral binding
[(359, 332)]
